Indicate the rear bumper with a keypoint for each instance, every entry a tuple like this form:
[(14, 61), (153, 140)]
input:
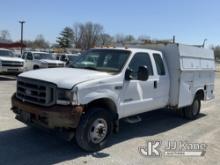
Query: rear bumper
[(56, 116)]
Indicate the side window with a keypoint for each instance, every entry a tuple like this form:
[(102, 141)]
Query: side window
[(29, 56), (159, 64), (140, 59)]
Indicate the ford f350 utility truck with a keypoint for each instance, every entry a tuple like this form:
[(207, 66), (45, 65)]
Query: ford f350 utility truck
[(89, 99), (9, 63), (37, 60)]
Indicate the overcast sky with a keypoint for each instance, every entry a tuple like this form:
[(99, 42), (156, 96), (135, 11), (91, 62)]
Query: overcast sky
[(190, 20)]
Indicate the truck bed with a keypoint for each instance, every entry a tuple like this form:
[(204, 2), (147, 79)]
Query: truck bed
[(191, 68)]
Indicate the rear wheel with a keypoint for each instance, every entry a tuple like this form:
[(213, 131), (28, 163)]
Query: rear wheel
[(36, 67), (192, 112), (94, 129)]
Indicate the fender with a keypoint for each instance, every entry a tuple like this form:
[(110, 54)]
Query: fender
[(99, 94)]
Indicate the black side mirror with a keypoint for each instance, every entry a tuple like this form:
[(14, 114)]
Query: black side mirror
[(143, 73), (128, 74)]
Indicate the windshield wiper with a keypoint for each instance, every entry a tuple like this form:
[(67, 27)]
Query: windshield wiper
[(90, 68), (85, 67)]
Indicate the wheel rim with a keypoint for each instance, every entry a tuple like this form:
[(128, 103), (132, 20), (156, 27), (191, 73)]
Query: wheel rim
[(98, 130), (195, 107)]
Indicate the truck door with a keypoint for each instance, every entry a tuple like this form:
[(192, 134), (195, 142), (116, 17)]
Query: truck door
[(138, 96), (162, 81), (24, 57), (29, 61)]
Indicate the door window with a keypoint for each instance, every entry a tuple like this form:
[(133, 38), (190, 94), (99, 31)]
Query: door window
[(140, 59), (24, 56), (29, 56)]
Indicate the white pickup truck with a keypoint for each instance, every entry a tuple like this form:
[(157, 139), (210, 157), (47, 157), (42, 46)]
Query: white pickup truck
[(88, 100), (36, 60), (9, 63)]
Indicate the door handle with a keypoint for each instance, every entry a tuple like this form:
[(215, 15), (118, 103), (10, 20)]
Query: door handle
[(155, 84)]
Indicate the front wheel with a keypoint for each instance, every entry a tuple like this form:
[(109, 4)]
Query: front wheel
[(94, 129), (192, 112)]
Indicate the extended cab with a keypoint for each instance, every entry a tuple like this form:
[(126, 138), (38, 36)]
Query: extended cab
[(37, 60), (89, 99), (9, 63)]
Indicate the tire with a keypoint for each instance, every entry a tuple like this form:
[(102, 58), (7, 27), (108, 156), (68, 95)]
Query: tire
[(180, 112), (86, 137), (192, 112), (36, 67)]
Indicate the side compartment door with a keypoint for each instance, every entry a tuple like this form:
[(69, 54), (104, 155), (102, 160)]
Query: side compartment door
[(138, 96)]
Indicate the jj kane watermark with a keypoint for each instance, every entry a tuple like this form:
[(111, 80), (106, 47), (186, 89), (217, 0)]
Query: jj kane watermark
[(157, 148)]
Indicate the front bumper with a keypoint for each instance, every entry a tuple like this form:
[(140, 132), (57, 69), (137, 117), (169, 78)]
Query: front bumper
[(56, 116), (6, 69)]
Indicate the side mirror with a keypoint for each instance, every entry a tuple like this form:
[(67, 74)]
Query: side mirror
[(128, 75), (143, 73)]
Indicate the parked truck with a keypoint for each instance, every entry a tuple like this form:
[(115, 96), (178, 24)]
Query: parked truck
[(89, 99), (37, 60), (9, 63)]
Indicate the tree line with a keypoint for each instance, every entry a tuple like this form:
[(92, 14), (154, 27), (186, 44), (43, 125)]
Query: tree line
[(84, 36), (87, 35)]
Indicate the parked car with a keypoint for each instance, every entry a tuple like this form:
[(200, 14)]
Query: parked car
[(37, 60), (107, 85), (9, 63)]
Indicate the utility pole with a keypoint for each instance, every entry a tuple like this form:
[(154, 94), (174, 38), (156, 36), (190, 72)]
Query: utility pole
[(174, 39), (22, 23)]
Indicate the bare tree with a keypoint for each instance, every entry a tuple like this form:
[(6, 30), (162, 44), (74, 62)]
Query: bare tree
[(90, 34), (129, 38), (77, 34), (39, 42), (5, 36), (216, 52), (119, 38), (105, 39), (143, 38)]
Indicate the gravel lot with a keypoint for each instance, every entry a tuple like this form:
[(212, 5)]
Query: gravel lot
[(20, 144)]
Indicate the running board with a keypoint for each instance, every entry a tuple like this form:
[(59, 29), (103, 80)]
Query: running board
[(133, 119)]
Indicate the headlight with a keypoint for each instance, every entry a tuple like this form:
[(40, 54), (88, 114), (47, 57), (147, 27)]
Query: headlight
[(66, 97)]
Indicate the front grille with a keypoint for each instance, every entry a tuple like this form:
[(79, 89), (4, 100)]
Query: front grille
[(54, 65), (12, 63), (34, 91)]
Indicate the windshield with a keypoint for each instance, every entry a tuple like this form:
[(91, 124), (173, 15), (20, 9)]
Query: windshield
[(102, 60), (73, 58), (40, 56), (6, 53)]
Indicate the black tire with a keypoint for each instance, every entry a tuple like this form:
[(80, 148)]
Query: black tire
[(192, 112), (83, 135), (180, 112), (36, 67)]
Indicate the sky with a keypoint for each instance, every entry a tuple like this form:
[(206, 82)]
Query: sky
[(191, 21)]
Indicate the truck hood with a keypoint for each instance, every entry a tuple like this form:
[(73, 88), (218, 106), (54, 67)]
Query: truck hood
[(64, 77), (51, 61), (11, 59)]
